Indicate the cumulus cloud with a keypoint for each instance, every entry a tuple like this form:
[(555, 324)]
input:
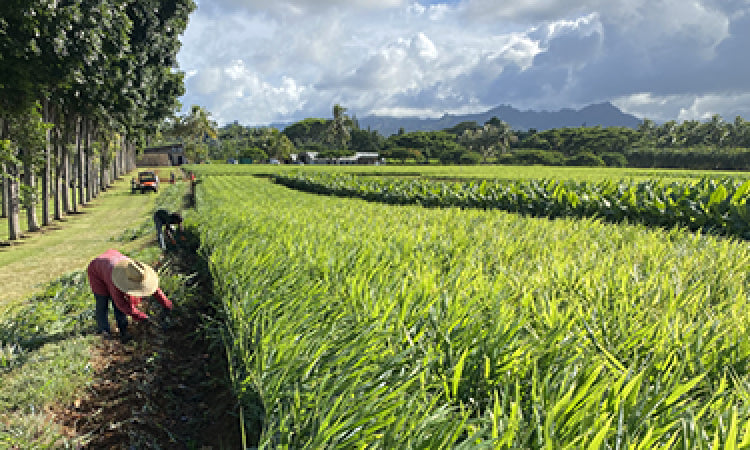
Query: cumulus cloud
[(686, 106), (258, 62), (236, 91)]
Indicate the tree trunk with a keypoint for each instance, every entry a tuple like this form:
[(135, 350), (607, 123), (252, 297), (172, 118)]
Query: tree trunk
[(81, 162), (74, 164), (131, 156), (89, 163), (29, 178), (47, 162), (118, 158), (66, 182), (3, 180), (134, 156), (59, 172), (124, 157), (14, 210), (4, 196), (103, 166), (115, 158)]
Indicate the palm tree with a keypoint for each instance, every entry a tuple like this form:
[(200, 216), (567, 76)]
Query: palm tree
[(667, 134), (338, 134), (494, 136), (715, 131), (648, 130)]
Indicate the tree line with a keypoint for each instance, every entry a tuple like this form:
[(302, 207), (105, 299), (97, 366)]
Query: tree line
[(712, 144), (82, 83)]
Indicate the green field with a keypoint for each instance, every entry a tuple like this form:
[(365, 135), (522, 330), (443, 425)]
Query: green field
[(355, 324), (471, 172)]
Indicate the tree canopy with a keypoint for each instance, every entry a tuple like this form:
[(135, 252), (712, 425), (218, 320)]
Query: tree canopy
[(92, 69)]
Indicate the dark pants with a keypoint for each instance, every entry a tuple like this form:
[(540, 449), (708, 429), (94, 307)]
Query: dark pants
[(160, 233), (102, 307)]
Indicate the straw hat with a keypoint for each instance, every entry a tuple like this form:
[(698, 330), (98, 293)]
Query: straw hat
[(134, 278)]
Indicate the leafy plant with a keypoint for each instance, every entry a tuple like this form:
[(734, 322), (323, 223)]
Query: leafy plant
[(709, 205), (367, 325)]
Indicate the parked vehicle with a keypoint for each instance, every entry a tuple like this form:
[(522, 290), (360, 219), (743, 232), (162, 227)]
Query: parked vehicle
[(146, 181)]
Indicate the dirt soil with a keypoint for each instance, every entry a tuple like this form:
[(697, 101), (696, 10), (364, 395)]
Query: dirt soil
[(166, 389)]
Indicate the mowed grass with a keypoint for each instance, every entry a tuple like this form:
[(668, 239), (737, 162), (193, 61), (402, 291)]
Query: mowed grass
[(362, 325), (70, 244), (472, 172)]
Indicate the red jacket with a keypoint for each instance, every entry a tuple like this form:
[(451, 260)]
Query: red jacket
[(100, 280)]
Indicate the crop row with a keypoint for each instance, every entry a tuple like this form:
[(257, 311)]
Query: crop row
[(364, 325), (718, 206)]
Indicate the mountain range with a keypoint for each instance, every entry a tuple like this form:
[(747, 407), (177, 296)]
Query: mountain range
[(604, 114)]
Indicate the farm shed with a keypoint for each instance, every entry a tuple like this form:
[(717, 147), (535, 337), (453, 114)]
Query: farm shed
[(165, 155), (359, 158)]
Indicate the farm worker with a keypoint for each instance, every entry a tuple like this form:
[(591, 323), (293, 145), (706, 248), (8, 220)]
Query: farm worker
[(115, 277), (163, 221)]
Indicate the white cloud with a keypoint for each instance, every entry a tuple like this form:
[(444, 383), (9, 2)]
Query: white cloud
[(727, 105), (236, 91), (257, 61), (686, 106)]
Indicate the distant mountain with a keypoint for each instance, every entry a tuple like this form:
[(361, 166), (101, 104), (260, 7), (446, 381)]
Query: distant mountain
[(604, 114)]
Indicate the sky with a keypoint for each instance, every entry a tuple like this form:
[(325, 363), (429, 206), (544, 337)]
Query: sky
[(260, 61)]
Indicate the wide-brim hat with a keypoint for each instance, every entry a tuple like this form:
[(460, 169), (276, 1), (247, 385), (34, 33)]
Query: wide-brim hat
[(135, 278)]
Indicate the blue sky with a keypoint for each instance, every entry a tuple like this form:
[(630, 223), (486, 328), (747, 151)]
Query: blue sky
[(259, 62)]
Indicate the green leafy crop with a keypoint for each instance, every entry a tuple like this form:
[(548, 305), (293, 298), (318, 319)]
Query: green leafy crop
[(366, 325)]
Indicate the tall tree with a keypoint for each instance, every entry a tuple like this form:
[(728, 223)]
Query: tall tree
[(194, 130), (495, 136), (97, 67), (338, 132)]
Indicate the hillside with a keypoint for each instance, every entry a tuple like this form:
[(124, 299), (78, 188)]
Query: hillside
[(604, 114)]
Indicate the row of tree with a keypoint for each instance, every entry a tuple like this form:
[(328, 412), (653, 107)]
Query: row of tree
[(493, 141), (82, 83), (715, 132)]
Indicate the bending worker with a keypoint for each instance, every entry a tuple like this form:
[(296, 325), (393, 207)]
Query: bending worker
[(163, 221), (115, 278)]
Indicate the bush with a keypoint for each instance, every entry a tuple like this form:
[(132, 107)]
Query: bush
[(613, 159), (696, 158), (535, 156), (586, 159), (470, 158)]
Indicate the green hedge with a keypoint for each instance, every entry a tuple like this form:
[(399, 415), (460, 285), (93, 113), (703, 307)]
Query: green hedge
[(717, 206)]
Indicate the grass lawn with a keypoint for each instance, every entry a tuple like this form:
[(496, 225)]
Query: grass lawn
[(70, 244)]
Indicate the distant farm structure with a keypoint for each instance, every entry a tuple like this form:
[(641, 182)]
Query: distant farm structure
[(165, 155), (359, 158)]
